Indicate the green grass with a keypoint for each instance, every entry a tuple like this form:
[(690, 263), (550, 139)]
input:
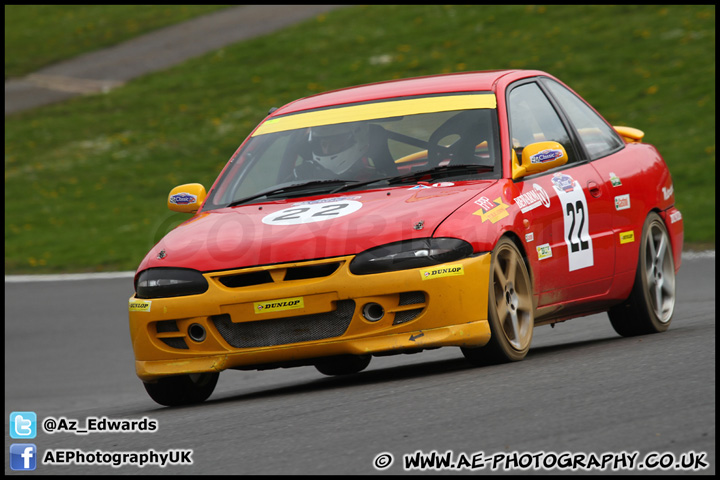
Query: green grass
[(38, 35), (86, 181)]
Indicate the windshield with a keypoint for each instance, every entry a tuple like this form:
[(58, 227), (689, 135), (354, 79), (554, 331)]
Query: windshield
[(372, 145)]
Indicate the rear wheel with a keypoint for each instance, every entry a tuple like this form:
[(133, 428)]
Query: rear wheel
[(182, 389), (343, 364), (510, 308), (651, 304)]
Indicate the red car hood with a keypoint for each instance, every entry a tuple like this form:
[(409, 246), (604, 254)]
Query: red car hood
[(311, 228)]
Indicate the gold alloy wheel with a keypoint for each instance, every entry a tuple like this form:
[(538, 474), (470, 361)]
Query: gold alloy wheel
[(510, 308), (511, 296)]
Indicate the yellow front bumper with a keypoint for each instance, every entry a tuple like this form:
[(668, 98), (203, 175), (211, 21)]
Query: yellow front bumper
[(280, 314)]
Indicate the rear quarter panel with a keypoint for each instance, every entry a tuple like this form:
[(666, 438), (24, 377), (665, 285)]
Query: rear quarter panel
[(639, 182)]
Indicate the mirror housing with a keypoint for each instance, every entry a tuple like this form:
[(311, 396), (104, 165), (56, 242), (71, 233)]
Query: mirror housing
[(629, 134), (186, 198), (538, 157)]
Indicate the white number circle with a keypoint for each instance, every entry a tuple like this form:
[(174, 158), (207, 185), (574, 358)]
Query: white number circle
[(312, 212)]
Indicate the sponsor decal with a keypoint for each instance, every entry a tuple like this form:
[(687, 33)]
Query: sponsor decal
[(491, 210), (183, 199), (675, 217), (667, 192), (546, 156), (544, 251), (140, 305), (576, 220), (614, 180), (563, 182), (312, 212), (532, 199), (439, 272), (622, 202), (421, 186), (627, 237), (270, 306), (529, 237)]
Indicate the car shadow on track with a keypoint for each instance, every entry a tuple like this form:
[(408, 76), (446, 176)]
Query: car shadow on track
[(408, 372)]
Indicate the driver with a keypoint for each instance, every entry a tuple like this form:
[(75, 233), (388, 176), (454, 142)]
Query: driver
[(338, 151)]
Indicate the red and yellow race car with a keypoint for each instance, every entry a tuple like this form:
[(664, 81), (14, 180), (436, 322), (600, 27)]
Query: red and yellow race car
[(451, 210)]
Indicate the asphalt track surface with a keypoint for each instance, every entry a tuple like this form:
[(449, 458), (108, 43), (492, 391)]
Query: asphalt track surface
[(582, 389)]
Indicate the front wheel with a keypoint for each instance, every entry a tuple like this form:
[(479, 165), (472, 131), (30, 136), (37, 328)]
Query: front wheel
[(510, 308), (651, 304), (182, 389)]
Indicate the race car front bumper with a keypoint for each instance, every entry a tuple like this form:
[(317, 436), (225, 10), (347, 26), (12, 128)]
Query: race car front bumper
[(292, 313)]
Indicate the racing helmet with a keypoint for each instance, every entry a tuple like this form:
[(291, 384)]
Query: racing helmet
[(339, 147)]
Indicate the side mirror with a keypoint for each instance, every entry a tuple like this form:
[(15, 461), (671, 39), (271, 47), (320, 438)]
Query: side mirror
[(186, 198), (538, 157), (630, 135)]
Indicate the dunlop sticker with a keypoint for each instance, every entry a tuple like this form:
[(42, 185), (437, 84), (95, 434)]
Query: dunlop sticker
[(438, 272), (140, 305), (627, 237), (270, 306)]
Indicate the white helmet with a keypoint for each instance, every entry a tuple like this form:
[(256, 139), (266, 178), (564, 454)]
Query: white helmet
[(338, 147)]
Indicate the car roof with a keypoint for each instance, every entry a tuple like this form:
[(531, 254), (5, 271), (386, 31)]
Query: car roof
[(435, 84)]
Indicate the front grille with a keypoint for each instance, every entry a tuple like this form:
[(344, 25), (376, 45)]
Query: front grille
[(170, 326), (409, 298), (406, 315), (260, 277), (175, 343), (282, 331)]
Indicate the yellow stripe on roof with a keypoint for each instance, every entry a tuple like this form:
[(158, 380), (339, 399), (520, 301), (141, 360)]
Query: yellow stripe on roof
[(370, 111)]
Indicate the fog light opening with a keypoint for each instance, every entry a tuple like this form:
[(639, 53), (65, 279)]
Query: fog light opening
[(196, 332), (373, 312)]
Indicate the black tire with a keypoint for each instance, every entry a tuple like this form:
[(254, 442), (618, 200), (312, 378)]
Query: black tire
[(510, 308), (651, 304), (182, 389), (343, 364)]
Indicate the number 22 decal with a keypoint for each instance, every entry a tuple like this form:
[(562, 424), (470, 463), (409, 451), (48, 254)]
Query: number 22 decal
[(576, 220), (312, 212)]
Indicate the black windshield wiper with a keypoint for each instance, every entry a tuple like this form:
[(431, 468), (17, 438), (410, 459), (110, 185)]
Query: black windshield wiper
[(444, 171), (293, 189), (440, 172)]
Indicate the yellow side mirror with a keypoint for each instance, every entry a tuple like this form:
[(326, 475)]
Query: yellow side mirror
[(538, 157), (630, 135), (186, 198)]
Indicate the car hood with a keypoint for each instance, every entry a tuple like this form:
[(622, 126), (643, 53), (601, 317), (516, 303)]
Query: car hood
[(309, 228)]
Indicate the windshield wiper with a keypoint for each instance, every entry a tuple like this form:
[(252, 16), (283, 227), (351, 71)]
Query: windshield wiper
[(440, 172), (293, 189), (444, 171)]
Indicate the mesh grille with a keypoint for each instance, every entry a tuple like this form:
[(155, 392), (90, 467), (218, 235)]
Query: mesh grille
[(165, 326), (406, 316), (411, 298), (282, 331), (175, 343)]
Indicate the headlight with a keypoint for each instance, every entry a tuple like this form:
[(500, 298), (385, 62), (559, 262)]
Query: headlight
[(169, 282), (416, 253)]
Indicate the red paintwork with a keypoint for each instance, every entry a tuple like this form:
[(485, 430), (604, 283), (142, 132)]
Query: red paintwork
[(236, 237)]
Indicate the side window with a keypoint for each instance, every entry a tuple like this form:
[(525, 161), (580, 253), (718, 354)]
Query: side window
[(597, 136), (533, 119)]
